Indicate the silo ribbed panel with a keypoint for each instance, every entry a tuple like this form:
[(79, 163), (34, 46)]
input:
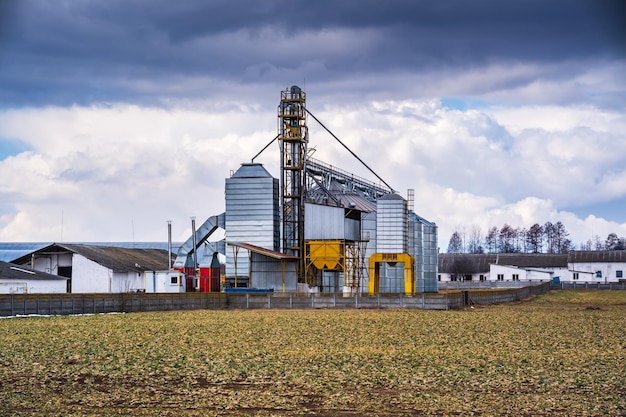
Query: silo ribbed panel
[(252, 214), (392, 224), (423, 247)]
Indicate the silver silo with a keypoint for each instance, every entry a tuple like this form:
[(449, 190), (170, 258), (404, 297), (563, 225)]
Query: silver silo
[(392, 227), (392, 224), (252, 216), (423, 247)]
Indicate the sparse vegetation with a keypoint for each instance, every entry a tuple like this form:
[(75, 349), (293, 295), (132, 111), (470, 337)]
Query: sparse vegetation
[(559, 354)]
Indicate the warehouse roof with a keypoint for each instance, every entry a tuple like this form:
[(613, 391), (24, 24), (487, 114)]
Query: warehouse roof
[(13, 271), (115, 258), (597, 256), (263, 251), (473, 263)]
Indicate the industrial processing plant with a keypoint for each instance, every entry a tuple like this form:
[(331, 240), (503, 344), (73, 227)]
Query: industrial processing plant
[(317, 228)]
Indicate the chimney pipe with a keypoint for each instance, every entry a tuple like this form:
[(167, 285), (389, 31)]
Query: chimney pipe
[(169, 244), (195, 253)]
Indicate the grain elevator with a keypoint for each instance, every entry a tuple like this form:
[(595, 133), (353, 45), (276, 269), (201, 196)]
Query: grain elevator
[(317, 228)]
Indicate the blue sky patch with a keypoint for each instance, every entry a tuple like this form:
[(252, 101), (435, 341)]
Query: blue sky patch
[(11, 147), (463, 103)]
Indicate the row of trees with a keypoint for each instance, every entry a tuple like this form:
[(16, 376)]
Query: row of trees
[(547, 238)]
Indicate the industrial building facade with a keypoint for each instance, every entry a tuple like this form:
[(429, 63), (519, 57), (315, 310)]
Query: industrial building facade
[(315, 229)]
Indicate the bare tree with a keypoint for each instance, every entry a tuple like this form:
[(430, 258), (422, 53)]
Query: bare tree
[(456, 243), (491, 240), (474, 245), (506, 239), (548, 233), (534, 238), (597, 243), (461, 268)]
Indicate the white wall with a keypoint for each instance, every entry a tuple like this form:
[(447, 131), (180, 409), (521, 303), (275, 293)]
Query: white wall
[(90, 277), (127, 282), (608, 270), (161, 281), (524, 274), (39, 286)]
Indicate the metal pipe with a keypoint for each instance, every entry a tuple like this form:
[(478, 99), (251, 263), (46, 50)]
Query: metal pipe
[(266, 146), (195, 253), (169, 244)]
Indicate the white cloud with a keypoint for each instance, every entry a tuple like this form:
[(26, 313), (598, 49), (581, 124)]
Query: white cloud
[(119, 172)]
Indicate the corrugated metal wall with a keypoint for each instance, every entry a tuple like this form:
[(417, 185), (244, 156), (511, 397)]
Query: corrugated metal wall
[(323, 222), (267, 273), (423, 247), (252, 214), (392, 225)]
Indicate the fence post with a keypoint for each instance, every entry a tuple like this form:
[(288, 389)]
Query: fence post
[(269, 302)]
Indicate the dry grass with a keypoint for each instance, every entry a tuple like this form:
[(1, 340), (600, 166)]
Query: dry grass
[(559, 354)]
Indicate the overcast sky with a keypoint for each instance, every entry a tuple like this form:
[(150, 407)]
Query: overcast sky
[(118, 115)]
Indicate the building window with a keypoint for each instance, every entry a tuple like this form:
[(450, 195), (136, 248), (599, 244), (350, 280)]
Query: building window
[(481, 277), (598, 274), (575, 275), (174, 280), (439, 277), (500, 277), (515, 277), (618, 274)]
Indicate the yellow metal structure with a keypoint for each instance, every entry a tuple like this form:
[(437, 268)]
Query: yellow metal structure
[(326, 254), (373, 285)]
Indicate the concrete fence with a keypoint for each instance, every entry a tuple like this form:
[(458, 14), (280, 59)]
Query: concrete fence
[(588, 286), (64, 304)]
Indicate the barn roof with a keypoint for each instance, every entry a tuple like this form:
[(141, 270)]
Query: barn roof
[(13, 271), (533, 260), (474, 263), (597, 256), (115, 258), (263, 251)]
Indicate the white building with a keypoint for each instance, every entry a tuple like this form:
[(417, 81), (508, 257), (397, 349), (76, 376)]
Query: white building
[(15, 279), (164, 281), (102, 269), (597, 266), (577, 266)]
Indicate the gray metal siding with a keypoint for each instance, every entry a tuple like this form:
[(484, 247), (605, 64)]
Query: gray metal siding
[(252, 216), (267, 273), (323, 222), (392, 226)]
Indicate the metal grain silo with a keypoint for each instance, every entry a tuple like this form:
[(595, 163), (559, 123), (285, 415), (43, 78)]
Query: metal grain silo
[(392, 224), (252, 216), (423, 247)]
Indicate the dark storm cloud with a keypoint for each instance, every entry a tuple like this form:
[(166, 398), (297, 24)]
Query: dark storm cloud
[(82, 52)]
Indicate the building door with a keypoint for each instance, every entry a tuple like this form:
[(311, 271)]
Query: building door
[(66, 271)]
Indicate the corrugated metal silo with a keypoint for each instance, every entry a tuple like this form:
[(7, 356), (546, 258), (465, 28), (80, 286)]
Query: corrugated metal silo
[(392, 224), (252, 214), (423, 247)]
